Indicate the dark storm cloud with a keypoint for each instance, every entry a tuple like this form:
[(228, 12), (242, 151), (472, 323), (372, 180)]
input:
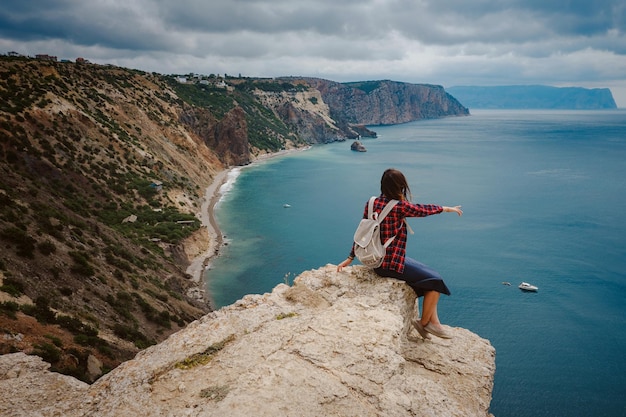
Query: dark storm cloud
[(451, 22), (255, 16), (149, 25), (109, 24)]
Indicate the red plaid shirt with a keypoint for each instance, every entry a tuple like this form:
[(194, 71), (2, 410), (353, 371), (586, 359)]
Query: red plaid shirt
[(394, 225)]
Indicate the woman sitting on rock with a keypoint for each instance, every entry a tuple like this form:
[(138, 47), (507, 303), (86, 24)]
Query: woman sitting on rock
[(425, 281)]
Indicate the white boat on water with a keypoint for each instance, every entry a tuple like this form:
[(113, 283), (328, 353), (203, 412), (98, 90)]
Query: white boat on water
[(524, 286)]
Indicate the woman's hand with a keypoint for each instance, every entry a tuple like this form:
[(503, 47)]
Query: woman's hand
[(347, 262), (455, 209)]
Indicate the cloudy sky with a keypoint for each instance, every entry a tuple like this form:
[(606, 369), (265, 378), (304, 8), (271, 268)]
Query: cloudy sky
[(446, 42)]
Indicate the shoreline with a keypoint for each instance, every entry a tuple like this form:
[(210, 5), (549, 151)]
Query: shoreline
[(212, 195), (207, 219)]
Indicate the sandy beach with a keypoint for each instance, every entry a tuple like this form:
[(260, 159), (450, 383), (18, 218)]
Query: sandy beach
[(207, 218)]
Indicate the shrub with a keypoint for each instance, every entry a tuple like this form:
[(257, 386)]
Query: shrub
[(163, 319), (66, 291), (72, 324), (57, 342), (149, 311), (9, 308), (55, 271), (28, 309), (47, 352), (81, 264), (42, 311), (86, 340), (13, 287), (129, 333), (25, 244), (47, 247), (84, 334)]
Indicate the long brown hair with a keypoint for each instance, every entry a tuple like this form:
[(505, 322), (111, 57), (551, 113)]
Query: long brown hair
[(393, 185)]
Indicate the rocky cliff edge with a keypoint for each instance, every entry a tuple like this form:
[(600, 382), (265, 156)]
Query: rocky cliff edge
[(333, 343)]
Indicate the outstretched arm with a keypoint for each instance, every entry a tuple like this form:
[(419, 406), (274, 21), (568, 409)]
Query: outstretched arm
[(455, 209)]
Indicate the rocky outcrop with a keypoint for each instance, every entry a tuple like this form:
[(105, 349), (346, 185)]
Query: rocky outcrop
[(357, 146), (364, 132), (385, 102), (330, 344)]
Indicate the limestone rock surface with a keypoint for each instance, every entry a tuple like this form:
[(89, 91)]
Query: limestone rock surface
[(332, 344)]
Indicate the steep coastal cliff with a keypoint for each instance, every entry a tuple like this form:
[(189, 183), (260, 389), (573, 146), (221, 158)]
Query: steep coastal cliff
[(330, 344), (324, 111), (385, 102)]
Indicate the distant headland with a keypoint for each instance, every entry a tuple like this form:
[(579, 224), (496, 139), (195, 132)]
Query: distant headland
[(533, 97)]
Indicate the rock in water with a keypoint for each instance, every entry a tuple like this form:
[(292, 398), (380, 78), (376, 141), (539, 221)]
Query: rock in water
[(358, 146)]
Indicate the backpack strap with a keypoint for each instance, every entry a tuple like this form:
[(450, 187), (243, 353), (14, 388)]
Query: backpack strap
[(379, 218), (390, 205), (385, 212), (370, 208)]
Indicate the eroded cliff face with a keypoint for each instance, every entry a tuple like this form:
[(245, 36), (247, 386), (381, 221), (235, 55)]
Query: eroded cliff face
[(227, 137), (331, 344), (305, 112), (329, 111), (386, 102)]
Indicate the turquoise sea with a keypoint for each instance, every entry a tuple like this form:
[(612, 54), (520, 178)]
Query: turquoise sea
[(544, 195)]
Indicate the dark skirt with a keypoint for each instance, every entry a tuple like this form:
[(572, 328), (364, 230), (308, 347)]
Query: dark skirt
[(418, 276)]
